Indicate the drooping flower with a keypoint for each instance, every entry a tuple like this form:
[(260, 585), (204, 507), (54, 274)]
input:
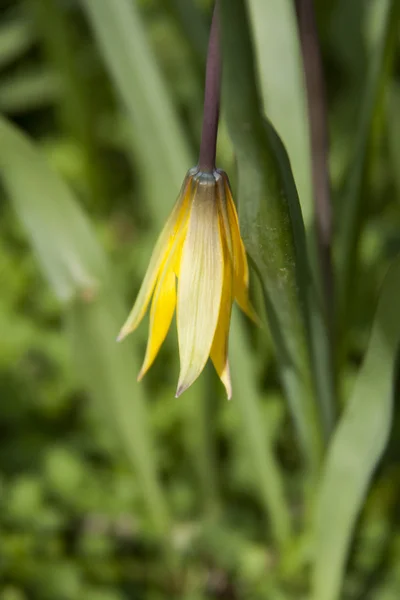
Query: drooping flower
[(199, 266)]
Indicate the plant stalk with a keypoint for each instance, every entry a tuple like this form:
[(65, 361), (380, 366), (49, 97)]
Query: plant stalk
[(324, 353), (212, 94)]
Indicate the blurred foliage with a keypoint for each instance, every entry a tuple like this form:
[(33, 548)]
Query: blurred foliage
[(110, 490)]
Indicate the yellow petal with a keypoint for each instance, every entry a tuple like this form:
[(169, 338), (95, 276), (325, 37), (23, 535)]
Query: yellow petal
[(223, 212), (240, 266), (163, 304), (158, 259), (199, 285), (219, 348), (176, 265), (161, 313)]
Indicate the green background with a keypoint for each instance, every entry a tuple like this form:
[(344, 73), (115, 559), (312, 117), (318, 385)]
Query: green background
[(112, 490)]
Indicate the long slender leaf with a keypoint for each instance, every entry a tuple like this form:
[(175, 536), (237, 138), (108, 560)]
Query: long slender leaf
[(266, 477), (393, 131), (199, 432), (276, 42), (16, 37), (77, 263), (77, 270), (193, 24), (357, 445), (108, 370), (30, 89), (382, 56), (272, 226), (158, 137), (78, 116)]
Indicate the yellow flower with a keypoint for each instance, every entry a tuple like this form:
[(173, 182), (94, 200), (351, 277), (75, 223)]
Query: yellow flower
[(200, 246)]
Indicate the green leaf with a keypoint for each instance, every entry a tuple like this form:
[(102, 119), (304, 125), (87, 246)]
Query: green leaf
[(16, 37), (193, 25), (351, 219), (70, 256), (79, 117), (357, 445), (109, 371), (393, 132), (157, 135), (29, 89), (276, 42), (272, 227), (259, 442), (76, 267)]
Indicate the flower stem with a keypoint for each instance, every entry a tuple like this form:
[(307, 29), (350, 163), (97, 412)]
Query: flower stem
[(211, 98), (318, 127)]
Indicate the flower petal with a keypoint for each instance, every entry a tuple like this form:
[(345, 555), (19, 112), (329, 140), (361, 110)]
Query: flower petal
[(240, 266), (158, 259), (199, 285), (163, 304), (223, 212), (161, 313), (219, 348)]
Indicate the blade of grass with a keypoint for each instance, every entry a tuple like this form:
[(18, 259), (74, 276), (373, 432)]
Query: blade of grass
[(199, 435), (122, 41), (77, 113), (323, 330), (108, 371), (266, 477), (393, 132), (353, 207), (272, 227), (29, 89), (43, 204), (76, 268), (276, 42), (16, 37), (357, 445), (193, 24), (318, 125), (283, 89)]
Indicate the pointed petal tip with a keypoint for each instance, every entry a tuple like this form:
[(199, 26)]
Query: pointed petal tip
[(180, 389), (120, 336), (125, 331), (243, 301), (143, 370), (128, 327), (226, 380)]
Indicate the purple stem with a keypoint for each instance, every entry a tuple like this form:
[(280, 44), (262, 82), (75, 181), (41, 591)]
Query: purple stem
[(318, 123), (209, 132)]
